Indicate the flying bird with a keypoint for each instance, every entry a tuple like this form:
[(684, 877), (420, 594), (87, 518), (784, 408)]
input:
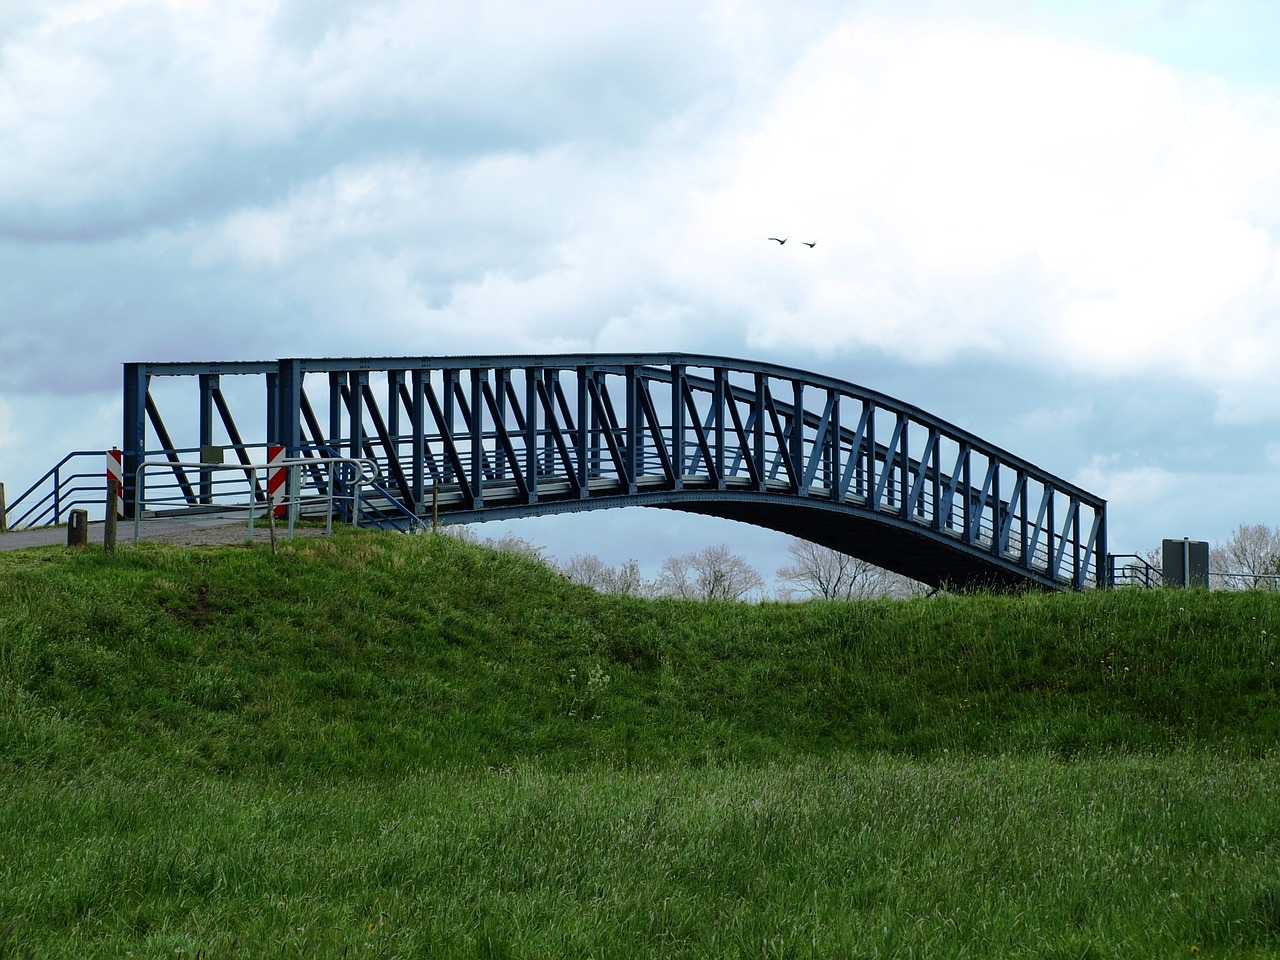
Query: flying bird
[(808, 244), (780, 242)]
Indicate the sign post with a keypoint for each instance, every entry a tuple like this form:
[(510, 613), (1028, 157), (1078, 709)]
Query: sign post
[(276, 474), (115, 499), (115, 476)]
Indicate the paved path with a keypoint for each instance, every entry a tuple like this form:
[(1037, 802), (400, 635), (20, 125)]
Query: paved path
[(206, 529)]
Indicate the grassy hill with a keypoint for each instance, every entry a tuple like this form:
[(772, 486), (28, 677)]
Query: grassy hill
[(413, 746)]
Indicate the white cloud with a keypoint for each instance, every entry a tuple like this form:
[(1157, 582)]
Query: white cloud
[(1054, 202), (8, 432), (225, 180)]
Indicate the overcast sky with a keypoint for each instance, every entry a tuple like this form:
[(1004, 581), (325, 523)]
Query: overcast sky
[(1053, 224)]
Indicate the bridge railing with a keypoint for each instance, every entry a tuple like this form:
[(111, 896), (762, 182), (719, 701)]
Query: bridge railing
[(986, 501), (77, 481), (1131, 570), (484, 436)]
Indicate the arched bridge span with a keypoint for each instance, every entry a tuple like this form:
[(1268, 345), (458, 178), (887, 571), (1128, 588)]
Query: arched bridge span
[(493, 437)]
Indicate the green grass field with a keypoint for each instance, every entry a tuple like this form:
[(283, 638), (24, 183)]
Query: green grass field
[(387, 746)]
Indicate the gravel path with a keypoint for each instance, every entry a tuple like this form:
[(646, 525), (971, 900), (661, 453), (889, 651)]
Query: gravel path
[(205, 530)]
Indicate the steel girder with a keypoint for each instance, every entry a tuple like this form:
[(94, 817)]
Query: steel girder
[(476, 438)]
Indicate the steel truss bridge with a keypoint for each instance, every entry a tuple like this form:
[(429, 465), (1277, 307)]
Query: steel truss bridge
[(479, 438)]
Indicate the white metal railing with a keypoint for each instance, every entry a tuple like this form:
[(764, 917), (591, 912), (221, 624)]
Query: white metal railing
[(364, 472)]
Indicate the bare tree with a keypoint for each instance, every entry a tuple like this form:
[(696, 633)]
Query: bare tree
[(827, 574), (712, 573), (590, 571), (1247, 560)]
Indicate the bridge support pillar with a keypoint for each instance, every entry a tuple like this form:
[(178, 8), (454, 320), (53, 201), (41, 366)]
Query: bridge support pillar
[(135, 429), (289, 406)]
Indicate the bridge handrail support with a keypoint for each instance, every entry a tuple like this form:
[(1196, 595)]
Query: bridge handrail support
[(366, 471), (1138, 573)]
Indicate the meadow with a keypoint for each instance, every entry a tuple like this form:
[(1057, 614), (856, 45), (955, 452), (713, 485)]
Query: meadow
[(386, 746)]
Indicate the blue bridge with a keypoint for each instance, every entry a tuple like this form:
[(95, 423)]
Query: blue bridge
[(466, 439)]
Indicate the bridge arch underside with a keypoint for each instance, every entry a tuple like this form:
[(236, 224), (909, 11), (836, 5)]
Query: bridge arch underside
[(904, 547), (901, 547), (497, 437)]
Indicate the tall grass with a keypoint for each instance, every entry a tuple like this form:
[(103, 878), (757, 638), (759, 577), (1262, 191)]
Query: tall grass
[(393, 746), (1116, 856)]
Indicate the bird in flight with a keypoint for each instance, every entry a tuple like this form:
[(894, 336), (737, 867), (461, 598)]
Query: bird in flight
[(780, 242), (808, 244)]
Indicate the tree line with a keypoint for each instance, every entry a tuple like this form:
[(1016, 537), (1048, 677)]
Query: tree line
[(1249, 559), (716, 573)]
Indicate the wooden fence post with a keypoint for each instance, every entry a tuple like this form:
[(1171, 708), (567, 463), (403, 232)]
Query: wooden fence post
[(109, 525)]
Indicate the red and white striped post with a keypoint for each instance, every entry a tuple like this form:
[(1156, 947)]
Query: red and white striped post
[(115, 474), (276, 474)]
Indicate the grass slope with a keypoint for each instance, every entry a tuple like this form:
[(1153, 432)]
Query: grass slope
[(364, 655), (390, 746)]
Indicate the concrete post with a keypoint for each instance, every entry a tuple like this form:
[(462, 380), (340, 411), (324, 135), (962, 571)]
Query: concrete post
[(78, 528)]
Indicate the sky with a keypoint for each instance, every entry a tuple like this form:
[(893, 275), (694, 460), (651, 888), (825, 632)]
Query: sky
[(1054, 224)]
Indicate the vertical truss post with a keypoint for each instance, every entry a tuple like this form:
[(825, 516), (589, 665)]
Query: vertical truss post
[(1051, 563), (395, 383), (583, 435), (1101, 574), (598, 426), (357, 380), (447, 391), (335, 436), (289, 407), (632, 457), (273, 407), (209, 382), (904, 468), (135, 430), (677, 426), (832, 460), (996, 525), (478, 378), (531, 378), (719, 425), (796, 439), (1024, 555), (1077, 572), (419, 438), (758, 434), (550, 380), (289, 413), (870, 477), (395, 387), (936, 482), (501, 384)]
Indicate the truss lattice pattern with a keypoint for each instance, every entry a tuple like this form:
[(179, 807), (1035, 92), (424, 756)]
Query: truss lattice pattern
[(474, 438)]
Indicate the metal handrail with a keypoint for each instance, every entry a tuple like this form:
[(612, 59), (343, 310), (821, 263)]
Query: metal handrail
[(53, 503), (366, 473), (1139, 573)]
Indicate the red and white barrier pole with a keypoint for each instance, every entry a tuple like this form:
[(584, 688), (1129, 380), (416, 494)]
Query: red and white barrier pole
[(276, 474), (115, 474)]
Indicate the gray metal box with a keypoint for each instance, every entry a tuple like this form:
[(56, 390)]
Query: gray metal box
[(1185, 563)]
